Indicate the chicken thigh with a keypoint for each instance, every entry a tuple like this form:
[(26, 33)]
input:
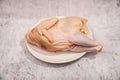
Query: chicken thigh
[(65, 34)]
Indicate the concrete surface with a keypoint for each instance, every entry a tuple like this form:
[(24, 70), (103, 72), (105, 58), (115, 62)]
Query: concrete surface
[(17, 16)]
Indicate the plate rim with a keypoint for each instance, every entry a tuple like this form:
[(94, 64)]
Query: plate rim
[(50, 61)]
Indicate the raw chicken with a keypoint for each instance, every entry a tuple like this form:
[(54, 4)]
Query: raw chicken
[(65, 34)]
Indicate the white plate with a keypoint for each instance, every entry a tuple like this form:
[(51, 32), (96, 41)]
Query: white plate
[(52, 57)]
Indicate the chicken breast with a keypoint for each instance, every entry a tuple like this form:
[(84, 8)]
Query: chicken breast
[(65, 34)]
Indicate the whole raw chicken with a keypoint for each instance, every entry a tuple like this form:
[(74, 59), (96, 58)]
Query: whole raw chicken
[(64, 34)]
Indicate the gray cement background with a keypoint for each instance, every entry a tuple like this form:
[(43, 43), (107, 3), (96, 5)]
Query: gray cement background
[(17, 16)]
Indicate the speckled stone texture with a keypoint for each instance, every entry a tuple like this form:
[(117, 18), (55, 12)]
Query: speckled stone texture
[(18, 16)]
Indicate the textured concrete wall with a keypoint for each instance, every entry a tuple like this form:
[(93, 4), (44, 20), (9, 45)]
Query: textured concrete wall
[(17, 16)]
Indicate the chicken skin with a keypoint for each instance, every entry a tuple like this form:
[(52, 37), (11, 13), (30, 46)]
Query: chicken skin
[(64, 34)]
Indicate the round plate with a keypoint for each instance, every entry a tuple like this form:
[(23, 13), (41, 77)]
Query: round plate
[(54, 57)]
